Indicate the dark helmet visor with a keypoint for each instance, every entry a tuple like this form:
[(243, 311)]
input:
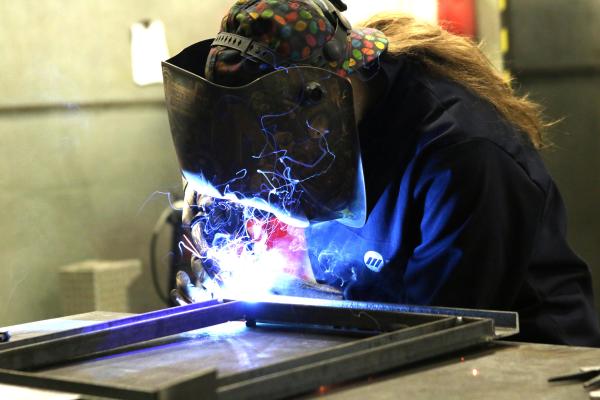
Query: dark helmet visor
[(286, 143)]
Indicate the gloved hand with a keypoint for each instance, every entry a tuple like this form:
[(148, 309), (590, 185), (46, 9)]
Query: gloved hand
[(201, 286)]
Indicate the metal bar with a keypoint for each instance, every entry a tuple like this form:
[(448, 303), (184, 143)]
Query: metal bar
[(506, 322), (435, 334), (201, 385), (371, 320), (187, 387), (309, 377), (87, 344), (105, 325), (340, 350)]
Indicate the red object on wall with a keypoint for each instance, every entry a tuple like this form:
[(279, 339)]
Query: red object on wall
[(458, 16)]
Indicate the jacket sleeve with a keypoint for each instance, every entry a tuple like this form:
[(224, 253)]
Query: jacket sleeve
[(478, 214)]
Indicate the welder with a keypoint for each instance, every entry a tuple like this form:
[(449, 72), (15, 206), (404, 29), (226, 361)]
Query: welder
[(409, 163)]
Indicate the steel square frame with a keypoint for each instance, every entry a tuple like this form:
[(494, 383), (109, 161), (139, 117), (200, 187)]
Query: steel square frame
[(406, 334)]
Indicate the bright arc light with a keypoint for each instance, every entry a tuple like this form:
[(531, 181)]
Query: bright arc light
[(202, 186)]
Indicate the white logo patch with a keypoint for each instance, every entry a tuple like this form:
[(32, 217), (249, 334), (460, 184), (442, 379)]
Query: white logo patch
[(374, 261)]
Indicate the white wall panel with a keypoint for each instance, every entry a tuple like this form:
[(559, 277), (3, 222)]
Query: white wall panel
[(74, 182), (72, 51)]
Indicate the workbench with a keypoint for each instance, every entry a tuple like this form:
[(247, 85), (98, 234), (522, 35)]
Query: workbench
[(499, 370)]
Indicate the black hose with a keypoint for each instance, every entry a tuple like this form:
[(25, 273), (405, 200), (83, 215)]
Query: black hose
[(160, 223)]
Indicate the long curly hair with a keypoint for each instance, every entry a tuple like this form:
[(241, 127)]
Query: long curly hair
[(460, 59)]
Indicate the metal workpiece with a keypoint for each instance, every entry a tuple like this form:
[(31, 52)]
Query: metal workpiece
[(341, 318), (104, 338), (506, 323), (295, 348), (102, 325), (351, 363), (186, 387), (339, 350)]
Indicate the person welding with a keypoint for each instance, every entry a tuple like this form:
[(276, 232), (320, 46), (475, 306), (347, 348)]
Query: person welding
[(391, 162)]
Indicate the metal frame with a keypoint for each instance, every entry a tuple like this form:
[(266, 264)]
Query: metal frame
[(403, 338), (506, 323)]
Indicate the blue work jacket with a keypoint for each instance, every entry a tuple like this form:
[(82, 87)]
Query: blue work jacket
[(461, 213)]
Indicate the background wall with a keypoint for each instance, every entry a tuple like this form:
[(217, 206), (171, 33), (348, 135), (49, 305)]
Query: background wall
[(82, 148), (555, 55)]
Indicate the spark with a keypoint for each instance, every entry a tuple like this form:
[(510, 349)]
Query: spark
[(323, 389), (175, 205), (187, 244)]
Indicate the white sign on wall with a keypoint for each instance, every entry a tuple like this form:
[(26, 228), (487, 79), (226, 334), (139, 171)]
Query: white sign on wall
[(148, 49)]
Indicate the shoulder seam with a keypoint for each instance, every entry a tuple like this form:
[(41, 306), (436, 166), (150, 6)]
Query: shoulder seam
[(495, 145), (482, 139)]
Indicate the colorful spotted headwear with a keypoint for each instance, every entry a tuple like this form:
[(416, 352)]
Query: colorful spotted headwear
[(258, 36)]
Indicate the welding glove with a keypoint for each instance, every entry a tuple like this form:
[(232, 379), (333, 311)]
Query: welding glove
[(200, 286)]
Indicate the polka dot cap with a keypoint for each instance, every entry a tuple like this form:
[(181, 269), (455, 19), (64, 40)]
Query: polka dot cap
[(364, 46), (293, 29)]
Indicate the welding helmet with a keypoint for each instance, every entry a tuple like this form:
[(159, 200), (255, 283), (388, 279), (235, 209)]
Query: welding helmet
[(263, 114)]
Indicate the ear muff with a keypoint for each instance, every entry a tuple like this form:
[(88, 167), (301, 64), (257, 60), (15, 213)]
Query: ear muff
[(333, 51)]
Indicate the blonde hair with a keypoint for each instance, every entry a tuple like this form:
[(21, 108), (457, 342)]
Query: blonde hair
[(460, 59)]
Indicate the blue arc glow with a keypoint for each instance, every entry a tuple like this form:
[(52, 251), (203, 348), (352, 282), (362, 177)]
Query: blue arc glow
[(251, 243)]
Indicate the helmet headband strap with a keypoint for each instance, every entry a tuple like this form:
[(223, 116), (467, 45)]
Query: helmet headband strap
[(263, 53)]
